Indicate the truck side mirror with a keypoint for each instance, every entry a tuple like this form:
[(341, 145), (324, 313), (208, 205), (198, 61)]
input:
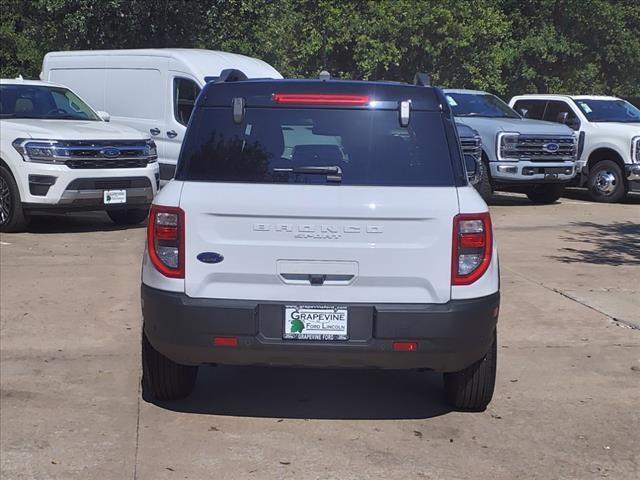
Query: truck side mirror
[(471, 164), (103, 115)]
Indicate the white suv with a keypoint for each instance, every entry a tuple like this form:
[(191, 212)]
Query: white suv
[(59, 155), (608, 141), (320, 224)]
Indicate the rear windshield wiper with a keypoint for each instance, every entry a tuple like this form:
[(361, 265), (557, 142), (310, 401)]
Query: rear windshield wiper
[(333, 173)]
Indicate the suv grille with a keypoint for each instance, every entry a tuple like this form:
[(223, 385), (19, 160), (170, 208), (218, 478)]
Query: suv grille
[(541, 149), (108, 154), (471, 146)]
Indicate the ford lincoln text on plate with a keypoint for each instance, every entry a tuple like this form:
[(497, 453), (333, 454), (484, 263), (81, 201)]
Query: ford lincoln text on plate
[(59, 155), (519, 154), (320, 224), (608, 139)]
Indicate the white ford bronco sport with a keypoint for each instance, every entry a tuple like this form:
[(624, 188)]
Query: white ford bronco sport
[(58, 155), (320, 224)]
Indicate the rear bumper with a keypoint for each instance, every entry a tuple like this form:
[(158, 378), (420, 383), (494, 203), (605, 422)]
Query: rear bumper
[(450, 336)]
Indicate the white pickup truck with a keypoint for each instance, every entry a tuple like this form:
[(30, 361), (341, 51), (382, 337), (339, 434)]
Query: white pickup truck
[(608, 142)]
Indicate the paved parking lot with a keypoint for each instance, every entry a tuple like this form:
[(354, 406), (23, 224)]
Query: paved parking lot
[(566, 405)]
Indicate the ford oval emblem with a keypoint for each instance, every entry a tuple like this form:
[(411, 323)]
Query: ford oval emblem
[(110, 152), (210, 257), (551, 147)]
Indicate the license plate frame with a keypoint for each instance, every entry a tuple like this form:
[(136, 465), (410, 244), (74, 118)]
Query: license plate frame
[(315, 323), (114, 197)]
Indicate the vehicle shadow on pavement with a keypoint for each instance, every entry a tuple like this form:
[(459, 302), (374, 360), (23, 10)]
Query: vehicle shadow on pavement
[(314, 394), (615, 243), (632, 198), (76, 223)]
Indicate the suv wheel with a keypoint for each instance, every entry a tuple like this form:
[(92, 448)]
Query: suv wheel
[(12, 217), (606, 183), (483, 186), (162, 378), (546, 193), (128, 217), (472, 388)]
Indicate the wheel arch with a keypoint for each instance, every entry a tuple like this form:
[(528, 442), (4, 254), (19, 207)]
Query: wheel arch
[(604, 153)]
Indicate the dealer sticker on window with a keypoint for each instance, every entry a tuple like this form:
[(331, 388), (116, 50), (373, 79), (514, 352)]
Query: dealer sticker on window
[(315, 322)]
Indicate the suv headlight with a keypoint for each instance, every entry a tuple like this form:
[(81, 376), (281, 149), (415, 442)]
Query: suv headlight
[(635, 149), (41, 151), (506, 146), (151, 151)]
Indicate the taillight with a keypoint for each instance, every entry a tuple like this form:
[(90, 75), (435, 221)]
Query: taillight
[(165, 240), (320, 99), (472, 247)]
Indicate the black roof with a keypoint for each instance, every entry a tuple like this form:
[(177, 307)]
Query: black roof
[(259, 93)]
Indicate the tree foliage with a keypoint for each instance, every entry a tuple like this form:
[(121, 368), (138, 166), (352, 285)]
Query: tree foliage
[(505, 46)]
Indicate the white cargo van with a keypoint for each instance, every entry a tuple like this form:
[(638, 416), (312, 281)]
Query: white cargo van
[(152, 90)]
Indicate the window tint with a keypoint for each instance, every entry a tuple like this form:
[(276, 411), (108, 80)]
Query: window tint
[(558, 110), (479, 105), (35, 101), (185, 92), (609, 111), (530, 108), (370, 147)]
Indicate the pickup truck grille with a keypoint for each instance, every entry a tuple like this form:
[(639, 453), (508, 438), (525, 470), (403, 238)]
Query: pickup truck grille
[(106, 154), (471, 146), (543, 149)]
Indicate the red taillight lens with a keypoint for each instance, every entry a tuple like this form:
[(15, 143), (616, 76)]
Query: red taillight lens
[(405, 346), (472, 247), (320, 99), (225, 341), (165, 240)]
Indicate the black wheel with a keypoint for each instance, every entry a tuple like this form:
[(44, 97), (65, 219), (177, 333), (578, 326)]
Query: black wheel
[(546, 193), (162, 378), (483, 186), (472, 388), (128, 217), (12, 217), (606, 182)]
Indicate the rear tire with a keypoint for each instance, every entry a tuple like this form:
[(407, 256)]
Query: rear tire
[(483, 186), (606, 182), (472, 388), (132, 216), (12, 216), (544, 194), (163, 379)]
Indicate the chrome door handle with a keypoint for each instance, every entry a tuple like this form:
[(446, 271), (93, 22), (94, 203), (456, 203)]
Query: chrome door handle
[(172, 134), (154, 131)]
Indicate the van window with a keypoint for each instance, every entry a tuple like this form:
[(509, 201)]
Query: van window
[(185, 92), (530, 108), (134, 93), (369, 147)]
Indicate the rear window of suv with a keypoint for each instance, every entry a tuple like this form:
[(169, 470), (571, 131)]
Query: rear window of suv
[(369, 146)]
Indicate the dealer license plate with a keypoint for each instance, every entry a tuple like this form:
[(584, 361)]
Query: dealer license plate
[(315, 322), (115, 196)]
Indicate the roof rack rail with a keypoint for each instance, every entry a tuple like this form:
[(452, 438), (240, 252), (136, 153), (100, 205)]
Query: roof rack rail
[(422, 80), (231, 75)]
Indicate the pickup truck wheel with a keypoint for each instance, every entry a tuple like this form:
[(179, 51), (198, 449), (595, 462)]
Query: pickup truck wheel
[(128, 217), (606, 182), (483, 186), (543, 194), (12, 217), (472, 388), (162, 378)]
